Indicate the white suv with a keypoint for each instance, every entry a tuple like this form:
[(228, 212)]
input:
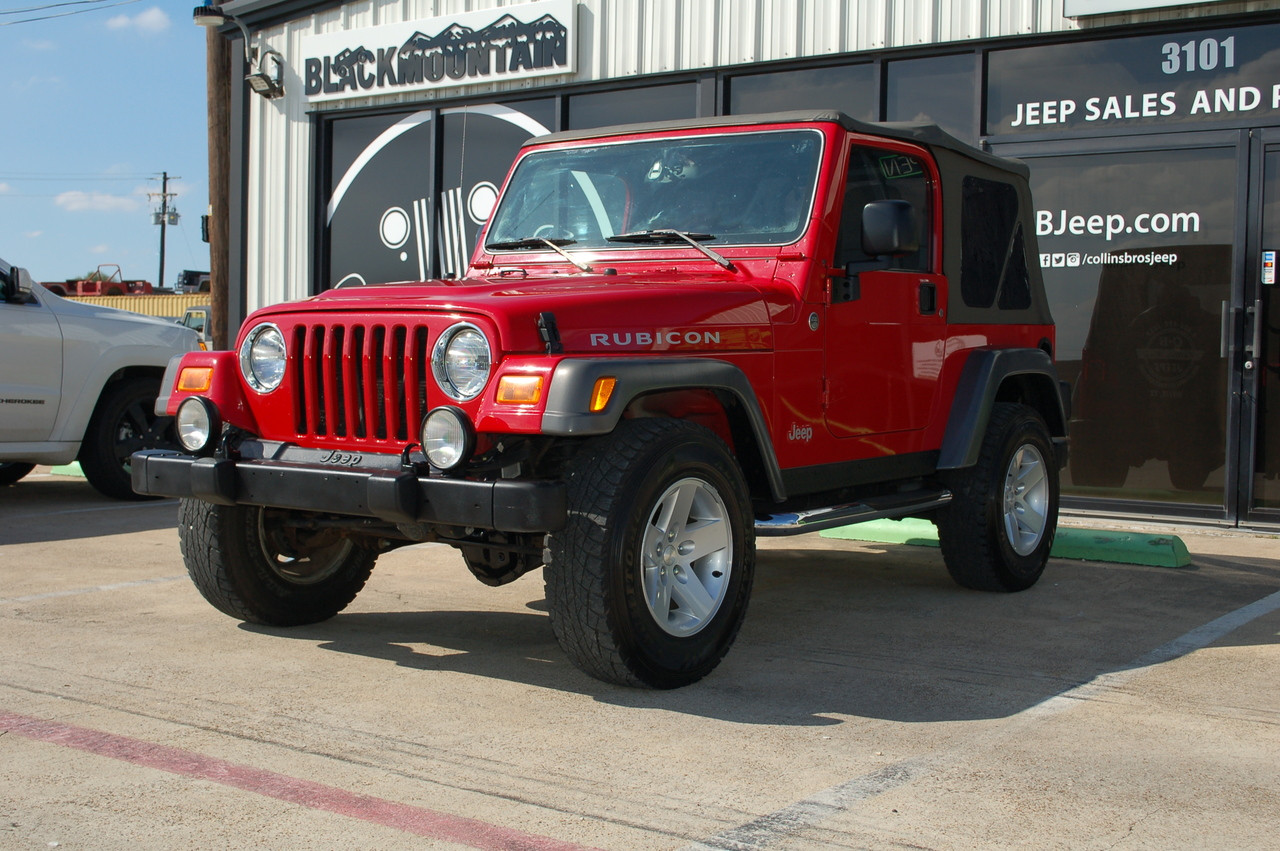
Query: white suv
[(79, 382)]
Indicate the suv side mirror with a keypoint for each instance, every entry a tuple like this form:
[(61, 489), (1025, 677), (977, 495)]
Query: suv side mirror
[(16, 286), (888, 228)]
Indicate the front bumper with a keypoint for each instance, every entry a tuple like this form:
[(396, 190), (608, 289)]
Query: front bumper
[(385, 491)]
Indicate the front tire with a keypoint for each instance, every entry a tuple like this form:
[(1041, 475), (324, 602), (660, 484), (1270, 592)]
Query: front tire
[(998, 529), (252, 564), (648, 583), (123, 423)]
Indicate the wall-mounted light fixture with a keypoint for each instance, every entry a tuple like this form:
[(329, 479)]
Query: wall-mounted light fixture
[(265, 84)]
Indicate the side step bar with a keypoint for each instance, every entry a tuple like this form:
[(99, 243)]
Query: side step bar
[(874, 508)]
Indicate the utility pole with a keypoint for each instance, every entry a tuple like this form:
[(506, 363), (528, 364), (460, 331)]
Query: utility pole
[(218, 93), (163, 216)]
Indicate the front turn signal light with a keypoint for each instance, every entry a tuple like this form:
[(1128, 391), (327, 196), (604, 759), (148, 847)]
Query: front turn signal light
[(195, 379), (520, 389), (601, 392)]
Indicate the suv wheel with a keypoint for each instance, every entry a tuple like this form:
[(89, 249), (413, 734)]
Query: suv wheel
[(250, 563), (648, 583), (998, 529), (123, 423)]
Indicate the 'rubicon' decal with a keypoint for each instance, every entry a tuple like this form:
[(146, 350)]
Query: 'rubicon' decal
[(655, 338)]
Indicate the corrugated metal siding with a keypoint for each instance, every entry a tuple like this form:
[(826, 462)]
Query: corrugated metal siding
[(168, 306), (616, 39)]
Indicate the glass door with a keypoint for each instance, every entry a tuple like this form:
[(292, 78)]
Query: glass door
[(1258, 319), (1137, 240)]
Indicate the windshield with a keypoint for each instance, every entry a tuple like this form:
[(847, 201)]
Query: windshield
[(730, 189)]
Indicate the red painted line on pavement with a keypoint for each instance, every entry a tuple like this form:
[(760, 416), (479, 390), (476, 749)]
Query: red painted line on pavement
[(410, 819)]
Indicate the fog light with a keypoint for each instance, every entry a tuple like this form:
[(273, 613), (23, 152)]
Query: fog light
[(448, 438), (198, 425)]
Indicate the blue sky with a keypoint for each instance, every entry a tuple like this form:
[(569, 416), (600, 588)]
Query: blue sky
[(95, 106)]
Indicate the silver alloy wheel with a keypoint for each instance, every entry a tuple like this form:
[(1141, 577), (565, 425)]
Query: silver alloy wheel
[(687, 555), (1026, 499), (298, 557)]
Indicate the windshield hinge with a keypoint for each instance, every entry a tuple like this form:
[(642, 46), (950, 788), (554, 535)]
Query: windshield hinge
[(549, 333)]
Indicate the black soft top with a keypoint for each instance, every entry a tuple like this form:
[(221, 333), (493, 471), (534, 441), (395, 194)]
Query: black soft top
[(927, 135), (995, 235)]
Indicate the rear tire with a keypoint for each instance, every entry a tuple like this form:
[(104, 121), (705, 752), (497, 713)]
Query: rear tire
[(250, 564), (648, 583), (998, 529), (13, 471)]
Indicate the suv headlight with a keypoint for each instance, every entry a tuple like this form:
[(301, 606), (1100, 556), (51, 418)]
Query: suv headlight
[(461, 362), (262, 358)]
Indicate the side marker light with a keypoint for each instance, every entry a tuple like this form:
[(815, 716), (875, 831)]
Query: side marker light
[(601, 393)]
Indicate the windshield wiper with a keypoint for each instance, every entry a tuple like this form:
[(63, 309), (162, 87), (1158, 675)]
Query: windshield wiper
[(671, 235), (540, 242)]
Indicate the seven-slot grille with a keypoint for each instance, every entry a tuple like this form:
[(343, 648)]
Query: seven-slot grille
[(360, 380)]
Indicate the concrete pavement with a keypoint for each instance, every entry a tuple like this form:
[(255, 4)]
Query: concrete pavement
[(868, 703)]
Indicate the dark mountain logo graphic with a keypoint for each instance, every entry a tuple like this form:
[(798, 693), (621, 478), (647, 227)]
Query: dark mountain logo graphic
[(456, 53)]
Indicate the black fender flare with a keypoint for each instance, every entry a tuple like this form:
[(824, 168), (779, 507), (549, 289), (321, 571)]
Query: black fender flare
[(567, 412), (985, 373)]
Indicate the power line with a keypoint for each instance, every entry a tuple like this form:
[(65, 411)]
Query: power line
[(78, 177), (96, 5), (47, 6)]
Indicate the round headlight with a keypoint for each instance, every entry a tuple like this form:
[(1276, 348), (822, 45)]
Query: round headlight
[(447, 437), (461, 361), (198, 425), (262, 358)]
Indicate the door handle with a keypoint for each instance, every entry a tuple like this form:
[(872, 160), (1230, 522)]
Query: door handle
[(1256, 348), (928, 296), (1224, 330)]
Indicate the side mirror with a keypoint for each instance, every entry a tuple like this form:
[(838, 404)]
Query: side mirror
[(17, 286), (889, 228)]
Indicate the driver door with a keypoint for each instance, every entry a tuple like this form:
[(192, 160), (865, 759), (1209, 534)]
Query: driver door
[(886, 331), (30, 371)]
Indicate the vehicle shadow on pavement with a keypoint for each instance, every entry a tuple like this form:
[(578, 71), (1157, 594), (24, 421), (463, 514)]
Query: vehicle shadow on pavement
[(833, 634), (60, 508)]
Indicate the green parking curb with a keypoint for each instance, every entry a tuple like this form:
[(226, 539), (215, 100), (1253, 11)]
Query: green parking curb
[(1069, 543), (72, 469)]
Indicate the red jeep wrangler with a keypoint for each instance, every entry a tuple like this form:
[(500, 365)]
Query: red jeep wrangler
[(672, 338)]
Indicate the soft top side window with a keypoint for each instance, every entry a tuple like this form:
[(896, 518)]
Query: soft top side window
[(994, 261)]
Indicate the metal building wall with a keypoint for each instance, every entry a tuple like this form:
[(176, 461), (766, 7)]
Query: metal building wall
[(616, 39)]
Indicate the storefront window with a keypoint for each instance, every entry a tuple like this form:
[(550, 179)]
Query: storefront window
[(384, 220), (379, 183), (632, 106), (1136, 250), (1116, 85), (478, 146), (848, 88), (939, 90)]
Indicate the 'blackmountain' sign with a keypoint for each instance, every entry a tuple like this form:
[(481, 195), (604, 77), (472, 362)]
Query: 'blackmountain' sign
[(514, 42)]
